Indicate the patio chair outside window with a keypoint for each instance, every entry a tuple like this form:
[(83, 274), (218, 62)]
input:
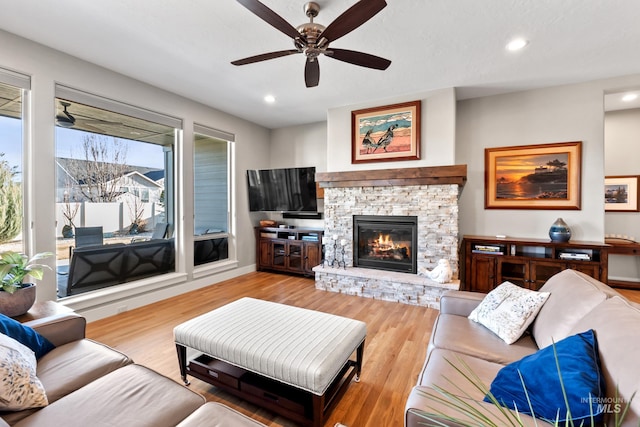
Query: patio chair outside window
[(86, 236), (159, 232)]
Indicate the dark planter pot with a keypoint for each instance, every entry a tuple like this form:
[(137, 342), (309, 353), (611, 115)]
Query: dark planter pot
[(67, 231), (19, 302)]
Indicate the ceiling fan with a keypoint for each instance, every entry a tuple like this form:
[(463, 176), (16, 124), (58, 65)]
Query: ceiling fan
[(312, 39), (67, 120)]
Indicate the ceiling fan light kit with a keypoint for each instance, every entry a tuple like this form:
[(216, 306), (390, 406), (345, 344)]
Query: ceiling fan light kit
[(312, 39), (65, 119)]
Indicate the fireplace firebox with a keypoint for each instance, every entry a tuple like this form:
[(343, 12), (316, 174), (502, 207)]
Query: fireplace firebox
[(385, 242)]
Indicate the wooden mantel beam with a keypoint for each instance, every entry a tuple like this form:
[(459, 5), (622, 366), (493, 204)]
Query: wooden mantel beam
[(456, 174)]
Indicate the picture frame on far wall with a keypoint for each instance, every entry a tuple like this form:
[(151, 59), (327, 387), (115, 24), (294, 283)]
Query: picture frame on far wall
[(387, 133), (542, 176), (621, 193)]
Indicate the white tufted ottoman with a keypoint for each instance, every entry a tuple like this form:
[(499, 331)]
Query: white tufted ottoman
[(293, 361)]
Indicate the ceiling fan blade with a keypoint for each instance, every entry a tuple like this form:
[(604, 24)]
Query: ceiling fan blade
[(358, 58), (352, 18), (312, 72), (270, 17), (264, 57)]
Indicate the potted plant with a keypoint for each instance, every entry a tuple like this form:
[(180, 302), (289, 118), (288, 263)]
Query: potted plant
[(17, 297)]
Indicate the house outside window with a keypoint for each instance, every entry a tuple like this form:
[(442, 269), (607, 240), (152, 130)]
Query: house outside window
[(114, 173), (211, 181), (13, 89)]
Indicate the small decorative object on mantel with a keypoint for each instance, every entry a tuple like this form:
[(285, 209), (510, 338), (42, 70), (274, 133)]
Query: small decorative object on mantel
[(267, 223), (16, 297), (560, 231), (441, 273)]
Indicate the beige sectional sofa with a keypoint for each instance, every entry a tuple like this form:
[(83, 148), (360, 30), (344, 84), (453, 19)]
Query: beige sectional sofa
[(576, 303), (90, 384)]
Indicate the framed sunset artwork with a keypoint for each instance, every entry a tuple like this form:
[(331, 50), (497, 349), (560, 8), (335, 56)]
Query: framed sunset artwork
[(544, 176)]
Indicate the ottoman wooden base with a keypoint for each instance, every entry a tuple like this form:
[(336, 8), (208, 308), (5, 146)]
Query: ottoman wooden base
[(291, 402)]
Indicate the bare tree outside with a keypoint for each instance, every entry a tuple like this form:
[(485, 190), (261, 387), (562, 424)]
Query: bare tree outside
[(10, 202), (136, 210), (100, 173)]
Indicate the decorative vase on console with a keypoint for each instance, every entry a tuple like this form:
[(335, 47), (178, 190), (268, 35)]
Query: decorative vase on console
[(560, 231)]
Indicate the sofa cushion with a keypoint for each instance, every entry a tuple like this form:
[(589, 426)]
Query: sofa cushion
[(573, 294), (420, 410), (576, 358), (25, 335), (459, 334), (70, 367), (616, 322), (73, 365), (508, 310), (129, 396), (441, 371), (213, 414), (20, 388)]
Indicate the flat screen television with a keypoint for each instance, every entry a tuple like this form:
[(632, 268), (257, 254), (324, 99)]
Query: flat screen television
[(283, 190)]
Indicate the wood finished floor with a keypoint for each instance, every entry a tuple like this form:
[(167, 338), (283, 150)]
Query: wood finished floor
[(397, 337)]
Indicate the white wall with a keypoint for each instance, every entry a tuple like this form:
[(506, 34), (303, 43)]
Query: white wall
[(48, 67), (557, 114), (437, 133), (298, 146), (622, 157)]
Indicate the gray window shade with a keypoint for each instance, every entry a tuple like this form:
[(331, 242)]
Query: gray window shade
[(75, 95), (15, 79), (213, 133)]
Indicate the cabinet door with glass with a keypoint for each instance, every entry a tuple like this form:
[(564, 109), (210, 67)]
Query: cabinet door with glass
[(279, 254), (541, 271), (514, 270), (294, 256)]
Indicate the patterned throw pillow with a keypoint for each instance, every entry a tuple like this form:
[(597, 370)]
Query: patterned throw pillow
[(508, 310), (19, 387)]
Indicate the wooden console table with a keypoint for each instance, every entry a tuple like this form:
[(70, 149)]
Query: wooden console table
[(488, 261), (623, 247)]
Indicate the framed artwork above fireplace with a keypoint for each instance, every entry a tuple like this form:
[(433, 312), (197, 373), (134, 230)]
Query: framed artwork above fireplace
[(387, 133)]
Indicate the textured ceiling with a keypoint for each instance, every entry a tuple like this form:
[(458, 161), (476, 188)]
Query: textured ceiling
[(187, 47)]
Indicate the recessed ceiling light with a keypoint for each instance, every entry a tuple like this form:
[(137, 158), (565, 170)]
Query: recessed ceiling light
[(269, 99), (517, 44), (630, 97)]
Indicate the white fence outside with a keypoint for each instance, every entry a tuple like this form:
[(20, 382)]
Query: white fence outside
[(113, 217)]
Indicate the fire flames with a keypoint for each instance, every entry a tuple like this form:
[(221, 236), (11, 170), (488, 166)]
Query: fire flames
[(384, 247)]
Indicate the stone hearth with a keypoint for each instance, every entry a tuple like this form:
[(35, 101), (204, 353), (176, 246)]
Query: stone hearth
[(430, 193)]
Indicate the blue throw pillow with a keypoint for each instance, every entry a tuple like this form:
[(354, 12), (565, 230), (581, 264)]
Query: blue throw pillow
[(25, 335), (584, 385)]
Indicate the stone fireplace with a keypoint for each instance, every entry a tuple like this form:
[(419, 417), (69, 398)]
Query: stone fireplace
[(429, 194)]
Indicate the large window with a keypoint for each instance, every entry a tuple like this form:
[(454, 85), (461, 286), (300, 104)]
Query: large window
[(12, 174), (115, 183), (212, 153)]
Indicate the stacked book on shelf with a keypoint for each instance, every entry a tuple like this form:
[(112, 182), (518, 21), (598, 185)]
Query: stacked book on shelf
[(488, 249), (575, 256)]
